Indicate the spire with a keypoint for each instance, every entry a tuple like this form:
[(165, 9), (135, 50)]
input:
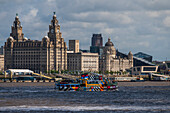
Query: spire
[(54, 16), (109, 43), (109, 39), (16, 18), (17, 29)]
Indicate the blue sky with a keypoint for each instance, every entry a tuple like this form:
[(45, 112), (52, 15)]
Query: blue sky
[(132, 25)]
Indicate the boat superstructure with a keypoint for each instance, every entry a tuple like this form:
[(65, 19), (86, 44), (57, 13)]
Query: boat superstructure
[(87, 82)]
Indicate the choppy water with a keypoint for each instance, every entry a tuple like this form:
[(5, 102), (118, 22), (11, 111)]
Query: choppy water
[(48, 100)]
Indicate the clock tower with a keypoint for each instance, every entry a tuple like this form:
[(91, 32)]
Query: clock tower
[(60, 48), (54, 30), (17, 30)]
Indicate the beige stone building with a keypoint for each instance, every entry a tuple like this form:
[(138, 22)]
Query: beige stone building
[(74, 45), (110, 62), (83, 61), (48, 54), (1, 62)]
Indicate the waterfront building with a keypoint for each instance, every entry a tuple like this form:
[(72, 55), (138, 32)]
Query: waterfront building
[(74, 45), (19, 72), (97, 44), (48, 54), (97, 40), (143, 56), (164, 67), (111, 62), (83, 61), (136, 60), (144, 70), (1, 62)]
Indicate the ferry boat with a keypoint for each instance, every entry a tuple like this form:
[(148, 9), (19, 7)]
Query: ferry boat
[(87, 82)]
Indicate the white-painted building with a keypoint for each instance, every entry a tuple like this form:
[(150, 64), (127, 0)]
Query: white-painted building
[(19, 72), (83, 61)]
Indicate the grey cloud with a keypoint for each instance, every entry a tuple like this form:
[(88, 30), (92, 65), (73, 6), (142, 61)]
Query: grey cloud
[(133, 25)]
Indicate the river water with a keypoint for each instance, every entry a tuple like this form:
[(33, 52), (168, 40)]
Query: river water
[(45, 99)]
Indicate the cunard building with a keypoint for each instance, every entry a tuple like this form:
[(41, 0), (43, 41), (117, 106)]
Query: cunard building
[(48, 54)]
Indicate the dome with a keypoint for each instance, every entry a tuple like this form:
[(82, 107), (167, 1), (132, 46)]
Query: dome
[(54, 16), (109, 43), (25, 38), (11, 38), (46, 37)]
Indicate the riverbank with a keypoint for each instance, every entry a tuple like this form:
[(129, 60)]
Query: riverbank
[(128, 84)]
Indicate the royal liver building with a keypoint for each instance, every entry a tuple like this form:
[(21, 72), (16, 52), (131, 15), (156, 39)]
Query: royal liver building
[(48, 54)]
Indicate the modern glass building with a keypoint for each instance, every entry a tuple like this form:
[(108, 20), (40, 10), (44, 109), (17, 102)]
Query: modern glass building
[(143, 56)]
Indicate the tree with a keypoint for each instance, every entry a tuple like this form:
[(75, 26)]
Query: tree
[(117, 72), (106, 72), (1, 73), (52, 71), (111, 72), (65, 71), (62, 71), (46, 72)]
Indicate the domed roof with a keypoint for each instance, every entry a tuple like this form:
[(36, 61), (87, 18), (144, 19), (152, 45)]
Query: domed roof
[(46, 37), (109, 43), (25, 38), (11, 38)]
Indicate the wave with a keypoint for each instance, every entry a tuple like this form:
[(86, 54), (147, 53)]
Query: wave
[(84, 108)]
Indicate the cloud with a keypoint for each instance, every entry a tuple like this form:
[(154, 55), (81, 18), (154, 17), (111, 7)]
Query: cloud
[(166, 21), (133, 25), (103, 17), (30, 16)]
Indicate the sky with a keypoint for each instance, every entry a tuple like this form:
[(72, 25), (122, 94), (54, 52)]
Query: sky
[(132, 25)]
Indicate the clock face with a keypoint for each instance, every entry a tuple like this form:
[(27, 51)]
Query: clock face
[(52, 30)]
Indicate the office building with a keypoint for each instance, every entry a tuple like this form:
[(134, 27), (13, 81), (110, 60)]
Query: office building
[(83, 62), (97, 44), (97, 40), (143, 56), (74, 45), (1, 62)]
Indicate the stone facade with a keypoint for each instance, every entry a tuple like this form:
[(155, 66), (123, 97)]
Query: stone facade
[(110, 62), (1, 62), (83, 61), (48, 54), (74, 45)]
